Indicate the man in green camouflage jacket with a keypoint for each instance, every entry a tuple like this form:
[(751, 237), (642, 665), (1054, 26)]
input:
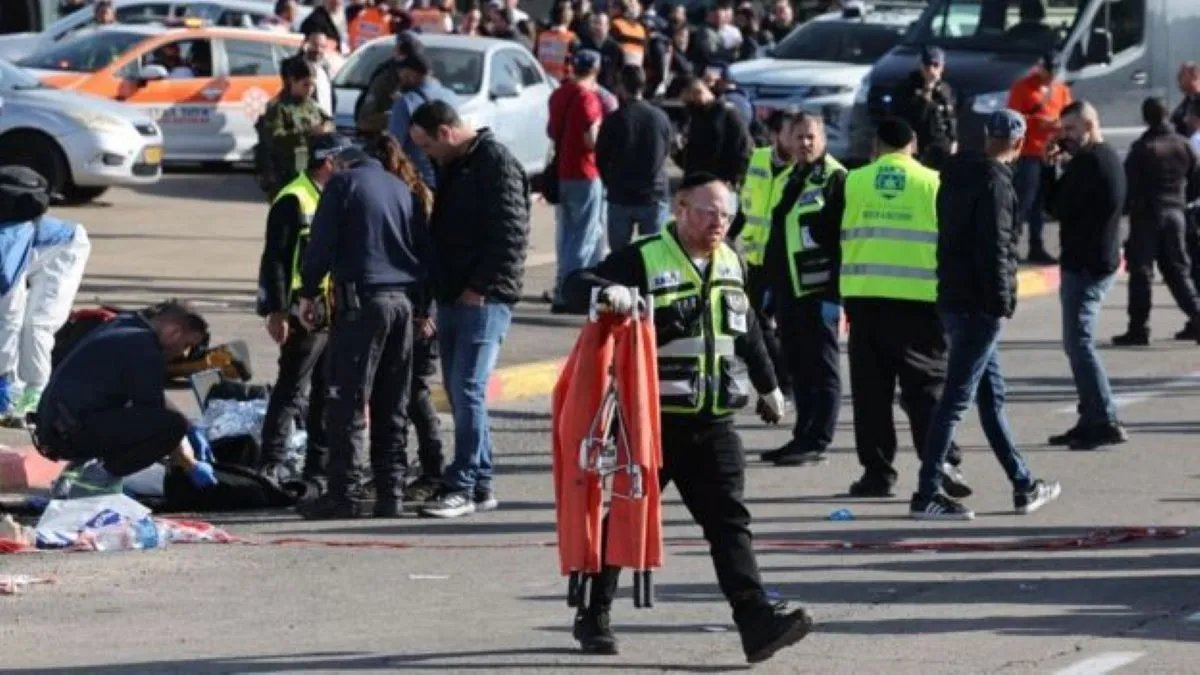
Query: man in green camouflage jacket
[(285, 129)]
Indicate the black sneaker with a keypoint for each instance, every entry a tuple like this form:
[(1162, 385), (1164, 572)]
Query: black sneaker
[(594, 632), (1039, 256), (796, 454), (1188, 333), (871, 487), (1066, 437), (421, 490), (387, 508), (770, 628), (448, 504), (1132, 338), (771, 455), (326, 507), (954, 482), (938, 507), (1037, 496), (485, 499), (1100, 436)]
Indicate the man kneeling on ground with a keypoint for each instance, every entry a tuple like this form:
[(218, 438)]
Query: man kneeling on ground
[(105, 411)]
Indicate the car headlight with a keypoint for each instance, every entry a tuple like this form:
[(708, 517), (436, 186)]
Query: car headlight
[(986, 104), (96, 121), (864, 89)]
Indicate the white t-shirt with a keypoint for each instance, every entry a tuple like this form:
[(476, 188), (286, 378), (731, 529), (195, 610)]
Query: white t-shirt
[(324, 91)]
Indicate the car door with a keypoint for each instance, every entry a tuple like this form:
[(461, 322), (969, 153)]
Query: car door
[(505, 107), (185, 102), (251, 80), (535, 103)]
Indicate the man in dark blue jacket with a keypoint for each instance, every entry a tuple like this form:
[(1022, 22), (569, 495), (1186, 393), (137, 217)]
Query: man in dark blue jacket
[(367, 233)]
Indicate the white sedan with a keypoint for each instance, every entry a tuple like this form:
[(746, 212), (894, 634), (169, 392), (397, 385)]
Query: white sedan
[(497, 83), (81, 144)]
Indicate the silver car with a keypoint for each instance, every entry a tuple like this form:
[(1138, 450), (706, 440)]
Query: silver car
[(81, 144), (497, 83)]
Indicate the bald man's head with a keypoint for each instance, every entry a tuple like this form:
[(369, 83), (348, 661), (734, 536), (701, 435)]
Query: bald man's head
[(1080, 126)]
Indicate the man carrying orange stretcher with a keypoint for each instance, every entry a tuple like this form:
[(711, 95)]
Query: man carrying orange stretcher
[(705, 329)]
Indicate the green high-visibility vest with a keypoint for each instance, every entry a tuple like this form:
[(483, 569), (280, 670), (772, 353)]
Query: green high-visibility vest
[(810, 266), (308, 194), (889, 231), (760, 195), (698, 371)]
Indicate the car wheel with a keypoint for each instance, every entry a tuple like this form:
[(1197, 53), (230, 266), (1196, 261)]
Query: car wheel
[(76, 194), (40, 153)]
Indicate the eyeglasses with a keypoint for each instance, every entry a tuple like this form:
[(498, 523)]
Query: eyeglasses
[(711, 214)]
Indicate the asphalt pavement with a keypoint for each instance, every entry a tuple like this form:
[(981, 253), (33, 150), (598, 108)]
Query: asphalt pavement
[(1080, 587)]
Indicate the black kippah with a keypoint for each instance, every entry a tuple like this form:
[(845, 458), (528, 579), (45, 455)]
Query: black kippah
[(895, 133), (698, 178)]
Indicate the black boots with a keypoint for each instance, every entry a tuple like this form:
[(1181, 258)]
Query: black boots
[(765, 628)]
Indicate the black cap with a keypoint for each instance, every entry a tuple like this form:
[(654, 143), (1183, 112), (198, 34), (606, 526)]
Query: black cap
[(698, 178), (931, 54), (324, 146), (24, 194), (895, 133), (416, 61)]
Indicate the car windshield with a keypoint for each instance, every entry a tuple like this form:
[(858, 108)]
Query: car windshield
[(459, 70), (12, 77), (839, 41), (1034, 26), (85, 53)]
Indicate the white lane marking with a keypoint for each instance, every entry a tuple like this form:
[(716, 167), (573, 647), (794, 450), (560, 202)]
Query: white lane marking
[(1105, 662), (1142, 395)]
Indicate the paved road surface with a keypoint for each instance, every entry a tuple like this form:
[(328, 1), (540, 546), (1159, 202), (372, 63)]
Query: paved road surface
[(482, 594)]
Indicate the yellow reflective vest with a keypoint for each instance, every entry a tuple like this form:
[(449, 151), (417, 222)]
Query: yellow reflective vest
[(809, 266), (309, 195), (760, 195)]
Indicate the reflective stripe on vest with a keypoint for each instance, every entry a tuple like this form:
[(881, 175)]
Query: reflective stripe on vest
[(759, 196), (808, 264), (699, 372), (306, 192), (889, 231), (631, 37)]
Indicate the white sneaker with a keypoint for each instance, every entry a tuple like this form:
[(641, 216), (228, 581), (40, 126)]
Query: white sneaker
[(1041, 494), (449, 505)]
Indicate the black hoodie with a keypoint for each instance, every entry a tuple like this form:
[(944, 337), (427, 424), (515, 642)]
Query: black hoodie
[(977, 237)]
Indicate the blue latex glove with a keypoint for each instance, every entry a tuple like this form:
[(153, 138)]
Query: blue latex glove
[(831, 312), (199, 440), (202, 475), (5, 395)]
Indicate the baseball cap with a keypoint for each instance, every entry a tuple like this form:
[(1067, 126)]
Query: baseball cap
[(586, 61), (407, 41), (325, 146), (931, 54), (1005, 125)]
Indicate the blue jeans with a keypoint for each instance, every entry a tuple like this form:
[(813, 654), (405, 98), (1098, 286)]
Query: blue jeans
[(580, 232), (972, 369), (649, 219), (1082, 295), (470, 339), (1027, 179)]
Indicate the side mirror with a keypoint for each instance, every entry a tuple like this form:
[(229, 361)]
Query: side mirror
[(1100, 47), (505, 90), (152, 73)]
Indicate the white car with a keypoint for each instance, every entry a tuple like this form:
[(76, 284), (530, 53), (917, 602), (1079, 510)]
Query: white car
[(497, 84), (226, 13), (81, 144), (819, 66)]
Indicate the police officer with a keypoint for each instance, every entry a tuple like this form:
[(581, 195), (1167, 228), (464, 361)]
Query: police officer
[(704, 325), (367, 233), (803, 281), (926, 102), (286, 127), (766, 176), (301, 352), (887, 213)]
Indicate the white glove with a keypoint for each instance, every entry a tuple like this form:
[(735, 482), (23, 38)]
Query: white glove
[(617, 299), (774, 402)]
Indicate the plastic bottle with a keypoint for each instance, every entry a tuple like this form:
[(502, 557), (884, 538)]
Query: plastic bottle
[(841, 514)]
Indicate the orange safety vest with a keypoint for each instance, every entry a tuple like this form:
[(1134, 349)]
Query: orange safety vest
[(370, 23), (631, 36), (553, 50), (428, 20), (634, 538)]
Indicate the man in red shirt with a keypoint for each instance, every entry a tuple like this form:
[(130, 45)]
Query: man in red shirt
[(575, 114), (1040, 97)]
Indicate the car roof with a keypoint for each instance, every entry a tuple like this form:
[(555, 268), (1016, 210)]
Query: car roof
[(882, 14), (465, 42)]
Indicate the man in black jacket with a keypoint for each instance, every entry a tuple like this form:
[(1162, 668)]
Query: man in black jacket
[(1161, 171), (367, 234), (977, 291), (481, 233), (927, 103), (1088, 200), (717, 140)]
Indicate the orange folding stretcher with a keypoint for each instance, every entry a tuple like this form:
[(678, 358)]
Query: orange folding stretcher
[(607, 453)]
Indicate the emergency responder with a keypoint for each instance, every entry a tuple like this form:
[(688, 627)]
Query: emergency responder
[(556, 44), (926, 102), (696, 283), (375, 105), (766, 176), (885, 220), (286, 127), (301, 352), (628, 31), (369, 234), (804, 288)]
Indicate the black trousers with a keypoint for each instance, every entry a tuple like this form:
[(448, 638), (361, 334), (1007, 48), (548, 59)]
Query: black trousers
[(421, 410), (127, 440), (299, 392), (811, 351), (706, 461), (1159, 237), (1193, 246), (893, 341), (370, 364), (757, 288)]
